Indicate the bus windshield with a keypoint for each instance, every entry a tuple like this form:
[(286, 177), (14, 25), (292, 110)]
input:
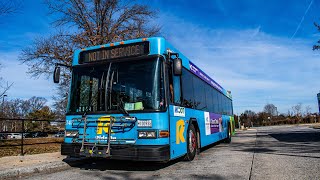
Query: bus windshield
[(117, 87)]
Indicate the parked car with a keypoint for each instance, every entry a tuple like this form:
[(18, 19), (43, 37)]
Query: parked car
[(28, 135), (14, 136), (59, 134), (40, 134), (3, 136)]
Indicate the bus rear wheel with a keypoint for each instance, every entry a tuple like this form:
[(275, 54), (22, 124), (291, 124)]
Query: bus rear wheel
[(228, 139), (192, 143)]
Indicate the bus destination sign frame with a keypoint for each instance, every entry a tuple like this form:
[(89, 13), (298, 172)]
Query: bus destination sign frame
[(115, 52)]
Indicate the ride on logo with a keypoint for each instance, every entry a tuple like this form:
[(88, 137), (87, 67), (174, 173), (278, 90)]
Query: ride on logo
[(103, 126), (179, 132)]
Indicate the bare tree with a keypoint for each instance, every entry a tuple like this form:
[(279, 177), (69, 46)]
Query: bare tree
[(103, 21), (93, 22), (12, 110), (248, 117), (4, 87), (308, 110), (249, 113), (270, 109), (297, 110), (61, 101), (317, 46), (18, 108), (37, 103), (9, 6)]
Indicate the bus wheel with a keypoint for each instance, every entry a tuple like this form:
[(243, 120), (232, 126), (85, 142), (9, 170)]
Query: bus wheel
[(192, 143), (228, 139)]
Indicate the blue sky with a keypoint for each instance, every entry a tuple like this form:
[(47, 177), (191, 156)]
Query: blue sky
[(249, 47)]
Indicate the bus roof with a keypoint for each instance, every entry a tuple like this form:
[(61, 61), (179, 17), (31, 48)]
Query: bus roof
[(156, 46)]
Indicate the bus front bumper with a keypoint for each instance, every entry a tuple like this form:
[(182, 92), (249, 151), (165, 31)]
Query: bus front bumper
[(125, 152)]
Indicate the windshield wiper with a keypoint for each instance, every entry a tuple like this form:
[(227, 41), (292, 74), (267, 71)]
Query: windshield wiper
[(120, 104), (100, 91), (106, 89), (110, 89)]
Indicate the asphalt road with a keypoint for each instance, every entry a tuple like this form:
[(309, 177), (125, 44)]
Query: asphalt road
[(278, 152)]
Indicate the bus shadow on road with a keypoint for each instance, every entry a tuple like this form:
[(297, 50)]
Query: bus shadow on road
[(110, 164), (297, 136)]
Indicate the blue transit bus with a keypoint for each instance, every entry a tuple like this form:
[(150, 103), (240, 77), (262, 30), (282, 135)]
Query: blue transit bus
[(142, 100)]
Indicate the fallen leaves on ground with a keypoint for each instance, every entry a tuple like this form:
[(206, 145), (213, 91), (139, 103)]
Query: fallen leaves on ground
[(31, 146)]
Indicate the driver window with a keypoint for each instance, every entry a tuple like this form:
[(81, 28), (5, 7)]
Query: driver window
[(174, 87)]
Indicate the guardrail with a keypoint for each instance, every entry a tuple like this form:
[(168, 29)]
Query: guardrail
[(20, 130)]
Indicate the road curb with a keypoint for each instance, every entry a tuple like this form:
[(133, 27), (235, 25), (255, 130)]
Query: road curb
[(42, 168), (24, 171)]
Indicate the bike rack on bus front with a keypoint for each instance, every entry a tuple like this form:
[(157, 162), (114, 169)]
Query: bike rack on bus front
[(114, 124)]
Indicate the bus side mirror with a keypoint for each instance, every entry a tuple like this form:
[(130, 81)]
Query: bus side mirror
[(177, 67), (56, 74)]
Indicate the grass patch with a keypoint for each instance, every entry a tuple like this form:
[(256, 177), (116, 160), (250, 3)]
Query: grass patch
[(31, 146), (316, 126)]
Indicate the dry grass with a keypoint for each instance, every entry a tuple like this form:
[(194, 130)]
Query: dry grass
[(316, 126), (31, 146)]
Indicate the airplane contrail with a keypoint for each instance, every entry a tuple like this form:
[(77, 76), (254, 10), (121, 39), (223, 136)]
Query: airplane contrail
[(302, 20)]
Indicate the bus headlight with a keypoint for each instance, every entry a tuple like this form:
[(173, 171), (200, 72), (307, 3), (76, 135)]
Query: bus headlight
[(71, 133), (147, 134)]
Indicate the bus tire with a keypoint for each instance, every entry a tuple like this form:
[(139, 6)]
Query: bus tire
[(228, 139), (192, 143)]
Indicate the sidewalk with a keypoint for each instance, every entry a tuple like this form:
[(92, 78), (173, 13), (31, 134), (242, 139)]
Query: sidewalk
[(16, 166)]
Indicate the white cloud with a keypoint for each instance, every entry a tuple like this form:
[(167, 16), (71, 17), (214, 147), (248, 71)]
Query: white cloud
[(257, 67), (24, 86)]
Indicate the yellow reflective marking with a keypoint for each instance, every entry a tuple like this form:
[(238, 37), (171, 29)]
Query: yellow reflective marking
[(90, 151), (179, 132)]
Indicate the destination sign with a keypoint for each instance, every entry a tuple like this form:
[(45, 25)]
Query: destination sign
[(114, 52)]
